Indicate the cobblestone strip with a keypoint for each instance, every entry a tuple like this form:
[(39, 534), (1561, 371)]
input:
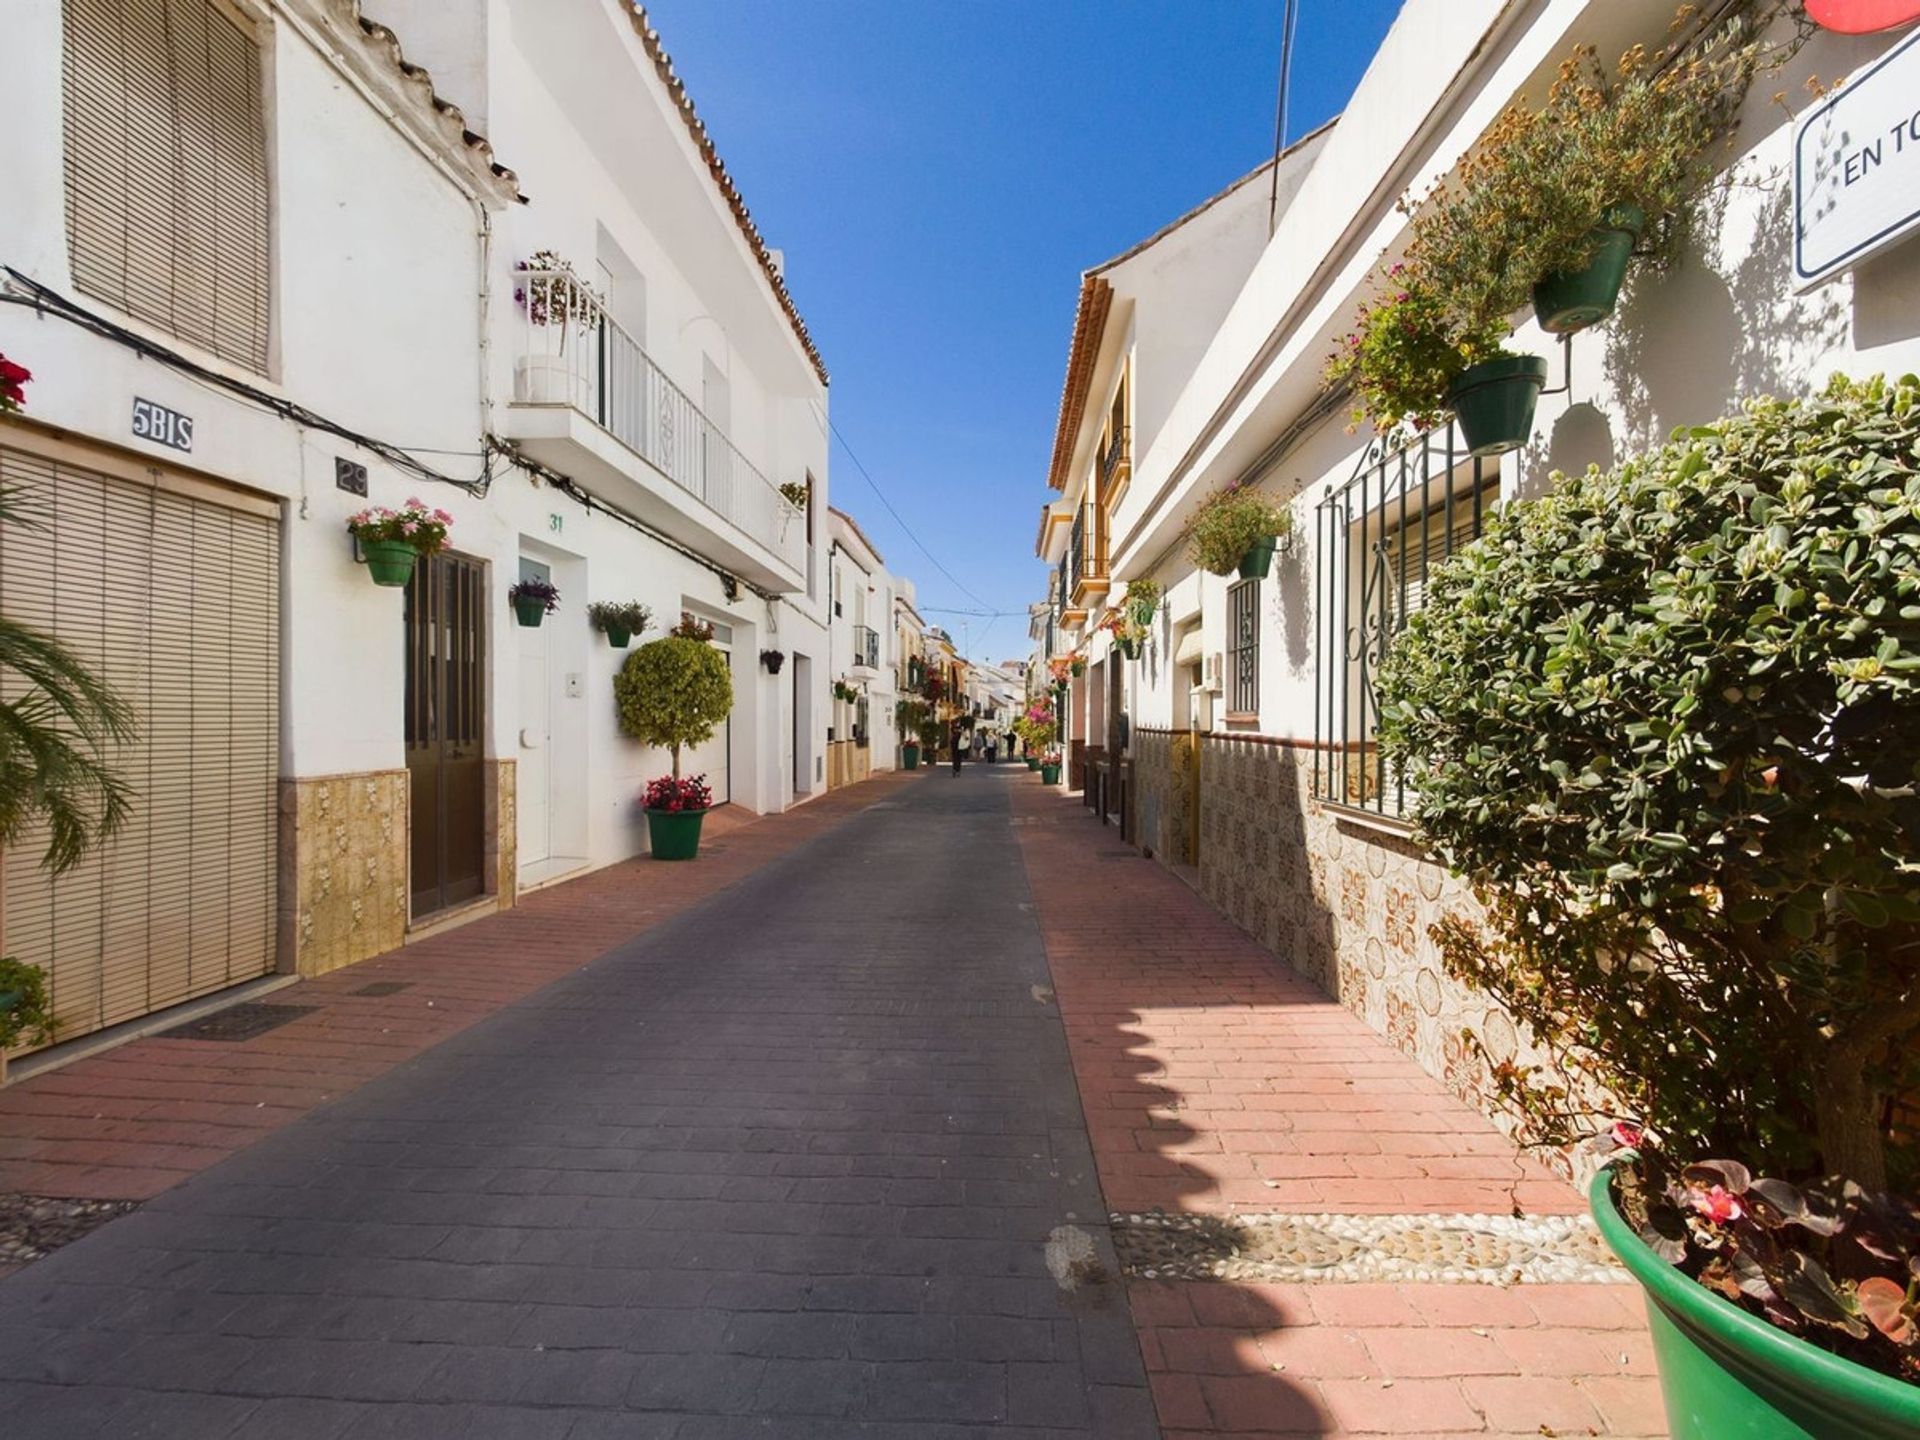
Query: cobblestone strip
[(1429, 1249)]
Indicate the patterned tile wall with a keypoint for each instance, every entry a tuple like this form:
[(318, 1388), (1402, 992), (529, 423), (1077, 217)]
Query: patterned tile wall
[(502, 845), (343, 869)]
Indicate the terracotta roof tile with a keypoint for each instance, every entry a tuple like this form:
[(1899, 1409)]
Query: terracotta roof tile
[(1089, 323), (448, 115)]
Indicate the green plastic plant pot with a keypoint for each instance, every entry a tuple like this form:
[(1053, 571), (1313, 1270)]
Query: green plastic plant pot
[(1049, 774), (1257, 563), (618, 636), (674, 834), (1494, 400), (1729, 1375), (389, 562), (1130, 648), (1032, 764), (909, 757), (1568, 300), (530, 611)]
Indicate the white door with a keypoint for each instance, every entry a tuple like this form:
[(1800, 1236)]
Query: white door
[(534, 780), (714, 759)]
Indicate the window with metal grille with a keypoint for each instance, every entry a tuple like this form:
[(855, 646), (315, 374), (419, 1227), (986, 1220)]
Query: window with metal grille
[(166, 168), (1378, 538), (1243, 648)]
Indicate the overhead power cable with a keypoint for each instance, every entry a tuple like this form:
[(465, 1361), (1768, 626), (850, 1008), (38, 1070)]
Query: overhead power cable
[(907, 529)]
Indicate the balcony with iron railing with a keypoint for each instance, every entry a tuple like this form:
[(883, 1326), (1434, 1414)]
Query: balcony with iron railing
[(1116, 465), (866, 647), (1087, 560), (590, 402)]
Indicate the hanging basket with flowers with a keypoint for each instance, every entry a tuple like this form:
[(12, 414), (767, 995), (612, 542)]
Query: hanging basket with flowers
[(1237, 528), (533, 601), (391, 541)]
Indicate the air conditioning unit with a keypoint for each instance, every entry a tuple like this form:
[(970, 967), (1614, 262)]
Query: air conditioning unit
[(1215, 672)]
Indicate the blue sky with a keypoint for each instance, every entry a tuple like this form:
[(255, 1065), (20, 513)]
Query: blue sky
[(939, 174)]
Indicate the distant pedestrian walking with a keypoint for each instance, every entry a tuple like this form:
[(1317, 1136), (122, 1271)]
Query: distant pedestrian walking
[(959, 747), (993, 750)]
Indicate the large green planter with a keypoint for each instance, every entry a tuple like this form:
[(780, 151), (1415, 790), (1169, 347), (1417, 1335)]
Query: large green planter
[(1033, 763), (674, 834), (1569, 300), (1494, 400), (1257, 563), (529, 610), (389, 562), (909, 757), (1728, 1375), (1049, 774)]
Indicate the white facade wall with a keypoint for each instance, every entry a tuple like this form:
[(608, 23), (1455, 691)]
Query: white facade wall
[(394, 314)]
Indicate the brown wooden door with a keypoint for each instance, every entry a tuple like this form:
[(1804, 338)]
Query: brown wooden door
[(446, 713)]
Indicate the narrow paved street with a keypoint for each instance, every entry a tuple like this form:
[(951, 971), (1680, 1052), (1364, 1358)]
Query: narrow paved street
[(806, 1159)]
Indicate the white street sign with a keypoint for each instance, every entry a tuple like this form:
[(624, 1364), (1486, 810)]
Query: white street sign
[(1856, 167)]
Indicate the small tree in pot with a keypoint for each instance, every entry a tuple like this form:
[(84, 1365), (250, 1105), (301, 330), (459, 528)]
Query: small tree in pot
[(1668, 721), (674, 692)]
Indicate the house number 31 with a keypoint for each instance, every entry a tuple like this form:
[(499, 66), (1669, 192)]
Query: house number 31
[(556, 522)]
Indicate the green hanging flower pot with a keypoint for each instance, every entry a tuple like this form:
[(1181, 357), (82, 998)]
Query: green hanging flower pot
[(1729, 1375), (389, 562), (1257, 563), (530, 610), (1494, 402), (1129, 647), (1569, 300), (618, 636)]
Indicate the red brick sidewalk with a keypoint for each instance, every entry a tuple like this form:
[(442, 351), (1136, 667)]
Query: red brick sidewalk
[(1214, 1079), (133, 1121)]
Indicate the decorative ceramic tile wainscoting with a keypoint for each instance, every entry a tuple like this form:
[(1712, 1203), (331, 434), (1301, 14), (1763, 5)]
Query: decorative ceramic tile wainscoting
[(343, 869)]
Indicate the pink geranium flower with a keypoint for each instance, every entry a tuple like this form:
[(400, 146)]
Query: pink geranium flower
[(1718, 1204)]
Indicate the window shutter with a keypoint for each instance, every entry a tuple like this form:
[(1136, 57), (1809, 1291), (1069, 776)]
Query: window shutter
[(172, 597), (166, 169)]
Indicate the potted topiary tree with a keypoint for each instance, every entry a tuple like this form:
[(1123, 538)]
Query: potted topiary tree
[(910, 716), (1667, 720), (673, 692), (619, 620)]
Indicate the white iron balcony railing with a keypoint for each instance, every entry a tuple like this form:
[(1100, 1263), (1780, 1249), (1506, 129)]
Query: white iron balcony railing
[(866, 646), (574, 354)]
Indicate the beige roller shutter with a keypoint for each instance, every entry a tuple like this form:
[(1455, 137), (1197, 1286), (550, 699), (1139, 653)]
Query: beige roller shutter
[(171, 590), (166, 168)]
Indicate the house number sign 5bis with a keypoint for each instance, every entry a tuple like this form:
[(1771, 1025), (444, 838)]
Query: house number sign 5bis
[(1856, 167), (161, 425)]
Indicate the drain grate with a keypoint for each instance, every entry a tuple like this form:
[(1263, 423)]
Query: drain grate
[(383, 987), (237, 1022)]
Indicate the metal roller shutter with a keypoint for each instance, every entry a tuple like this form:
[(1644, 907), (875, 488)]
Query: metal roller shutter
[(166, 168), (172, 593)]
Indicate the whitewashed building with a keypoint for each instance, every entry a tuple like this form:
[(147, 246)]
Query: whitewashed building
[(864, 648), (266, 271), (1247, 758)]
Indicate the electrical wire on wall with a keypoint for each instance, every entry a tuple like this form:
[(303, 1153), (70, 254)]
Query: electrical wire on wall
[(45, 301)]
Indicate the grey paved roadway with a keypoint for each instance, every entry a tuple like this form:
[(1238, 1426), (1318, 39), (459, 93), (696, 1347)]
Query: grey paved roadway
[(786, 1166)]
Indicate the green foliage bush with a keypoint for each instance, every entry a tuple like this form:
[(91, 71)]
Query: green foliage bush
[(1667, 720), (28, 1019), (673, 692)]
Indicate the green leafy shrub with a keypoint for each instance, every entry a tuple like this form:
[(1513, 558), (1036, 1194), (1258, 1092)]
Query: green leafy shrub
[(673, 692), (28, 1020), (1229, 523), (1667, 719)]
